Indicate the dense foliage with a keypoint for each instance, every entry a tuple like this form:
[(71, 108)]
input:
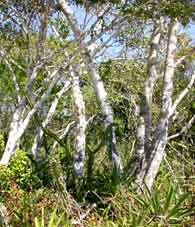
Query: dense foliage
[(79, 131)]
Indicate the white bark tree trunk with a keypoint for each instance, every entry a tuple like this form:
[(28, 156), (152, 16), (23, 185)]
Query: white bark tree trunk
[(161, 133), (141, 152), (44, 16), (17, 124), (39, 136), (97, 84), (151, 80), (144, 128), (4, 216), (20, 122), (79, 105), (79, 111), (13, 136)]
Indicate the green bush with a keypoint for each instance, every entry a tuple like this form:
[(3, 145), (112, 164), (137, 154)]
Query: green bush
[(5, 176), (21, 170)]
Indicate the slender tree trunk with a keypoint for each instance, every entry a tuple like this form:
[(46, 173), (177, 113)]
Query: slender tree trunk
[(79, 106), (44, 16), (39, 136), (140, 149), (17, 125), (144, 127), (151, 80), (97, 84), (13, 136), (4, 216), (161, 133), (20, 123)]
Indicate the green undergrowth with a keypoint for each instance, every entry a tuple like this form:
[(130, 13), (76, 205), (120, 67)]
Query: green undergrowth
[(51, 207), (49, 196)]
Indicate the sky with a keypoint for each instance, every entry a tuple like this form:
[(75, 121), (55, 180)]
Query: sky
[(79, 13), (190, 30)]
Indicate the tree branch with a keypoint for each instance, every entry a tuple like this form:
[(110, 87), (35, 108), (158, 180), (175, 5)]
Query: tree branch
[(184, 129), (182, 95)]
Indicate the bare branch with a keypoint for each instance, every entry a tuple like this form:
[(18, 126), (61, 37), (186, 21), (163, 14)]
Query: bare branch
[(53, 106), (184, 129), (17, 88), (181, 156), (182, 95), (181, 59), (66, 131)]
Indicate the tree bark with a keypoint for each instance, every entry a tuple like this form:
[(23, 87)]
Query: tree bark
[(39, 136), (161, 133), (151, 80), (20, 122), (79, 106), (97, 84), (143, 135)]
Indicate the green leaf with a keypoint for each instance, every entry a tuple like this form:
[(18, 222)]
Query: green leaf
[(169, 198), (176, 208), (156, 203), (37, 224), (193, 105), (42, 220), (59, 221), (185, 212), (52, 219), (140, 200)]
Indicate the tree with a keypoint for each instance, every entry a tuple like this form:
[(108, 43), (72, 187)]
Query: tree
[(55, 46)]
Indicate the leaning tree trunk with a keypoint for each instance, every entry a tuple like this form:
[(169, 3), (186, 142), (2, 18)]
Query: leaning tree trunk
[(143, 136), (161, 133), (97, 84), (14, 135), (4, 216), (20, 123), (39, 136), (151, 80)]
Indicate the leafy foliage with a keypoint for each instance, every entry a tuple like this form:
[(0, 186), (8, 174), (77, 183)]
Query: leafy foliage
[(46, 192)]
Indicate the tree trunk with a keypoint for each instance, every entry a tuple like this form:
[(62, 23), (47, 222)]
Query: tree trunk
[(98, 86), (39, 136), (13, 137), (151, 80), (20, 123), (143, 136), (161, 133), (79, 111)]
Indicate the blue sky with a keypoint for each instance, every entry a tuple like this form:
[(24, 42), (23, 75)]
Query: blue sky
[(80, 14), (190, 29)]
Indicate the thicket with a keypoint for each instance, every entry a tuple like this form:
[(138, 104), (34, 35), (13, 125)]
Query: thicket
[(42, 188)]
